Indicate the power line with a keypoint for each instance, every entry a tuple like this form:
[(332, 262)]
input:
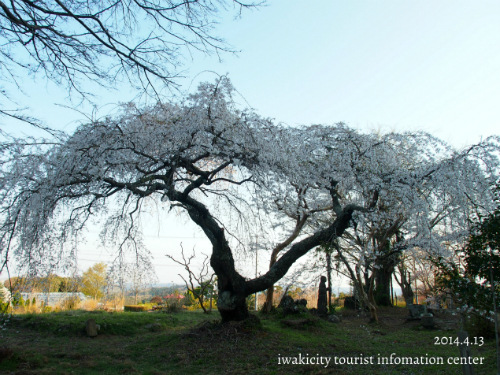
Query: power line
[(108, 261), (152, 236)]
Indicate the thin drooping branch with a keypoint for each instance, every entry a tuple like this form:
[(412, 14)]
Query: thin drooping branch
[(74, 41)]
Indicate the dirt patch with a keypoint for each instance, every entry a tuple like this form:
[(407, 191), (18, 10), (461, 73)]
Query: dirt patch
[(215, 329)]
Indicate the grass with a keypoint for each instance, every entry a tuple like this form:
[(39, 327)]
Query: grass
[(159, 343)]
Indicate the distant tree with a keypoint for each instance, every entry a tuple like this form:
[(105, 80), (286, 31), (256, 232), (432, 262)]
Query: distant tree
[(116, 277), (203, 279), (14, 284), (134, 277), (156, 299), (69, 284), (141, 276), (189, 299), (94, 281), (295, 292)]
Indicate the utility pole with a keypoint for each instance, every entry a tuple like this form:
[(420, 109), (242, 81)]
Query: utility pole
[(392, 293), (256, 260), (416, 290), (329, 275)]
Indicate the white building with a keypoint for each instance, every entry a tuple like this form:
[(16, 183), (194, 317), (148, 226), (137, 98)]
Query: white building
[(52, 299)]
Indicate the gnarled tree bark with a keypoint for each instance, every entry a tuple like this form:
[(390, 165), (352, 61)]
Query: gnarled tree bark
[(232, 287)]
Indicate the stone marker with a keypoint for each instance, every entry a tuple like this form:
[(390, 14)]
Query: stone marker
[(286, 302), (465, 352), (297, 323), (156, 327), (427, 319), (415, 311), (91, 328), (322, 297), (290, 306)]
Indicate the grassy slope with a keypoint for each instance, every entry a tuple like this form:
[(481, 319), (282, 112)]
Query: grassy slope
[(158, 343)]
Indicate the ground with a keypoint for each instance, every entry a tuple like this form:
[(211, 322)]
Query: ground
[(192, 342)]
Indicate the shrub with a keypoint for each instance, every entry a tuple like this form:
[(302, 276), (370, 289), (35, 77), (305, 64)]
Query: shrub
[(5, 308), (70, 303), (113, 303), (90, 305), (474, 283), (207, 304), (478, 325), (17, 300), (173, 307), (157, 300), (135, 308)]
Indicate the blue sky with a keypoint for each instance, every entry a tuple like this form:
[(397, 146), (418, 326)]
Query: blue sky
[(402, 65), (399, 65), (390, 65)]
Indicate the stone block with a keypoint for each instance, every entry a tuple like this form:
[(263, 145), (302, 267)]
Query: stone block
[(91, 328)]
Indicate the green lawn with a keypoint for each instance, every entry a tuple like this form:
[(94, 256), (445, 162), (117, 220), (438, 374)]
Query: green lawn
[(160, 343)]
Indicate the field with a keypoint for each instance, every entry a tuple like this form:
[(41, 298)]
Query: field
[(194, 343)]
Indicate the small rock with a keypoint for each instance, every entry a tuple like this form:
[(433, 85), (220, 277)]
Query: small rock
[(156, 327), (301, 302), (297, 323), (91, 328), (286, 302), (333, 319)]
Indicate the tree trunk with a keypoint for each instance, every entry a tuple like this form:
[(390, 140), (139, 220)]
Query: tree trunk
[(329, 277), (200, 299), (268, 305), (386, 266), (366, 297), (372, 304), (232, 287), (382, 292), (405, 284), (231, 301)]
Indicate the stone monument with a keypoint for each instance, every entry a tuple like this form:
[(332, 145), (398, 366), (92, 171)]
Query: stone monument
[(322, 297), (91, 328)]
